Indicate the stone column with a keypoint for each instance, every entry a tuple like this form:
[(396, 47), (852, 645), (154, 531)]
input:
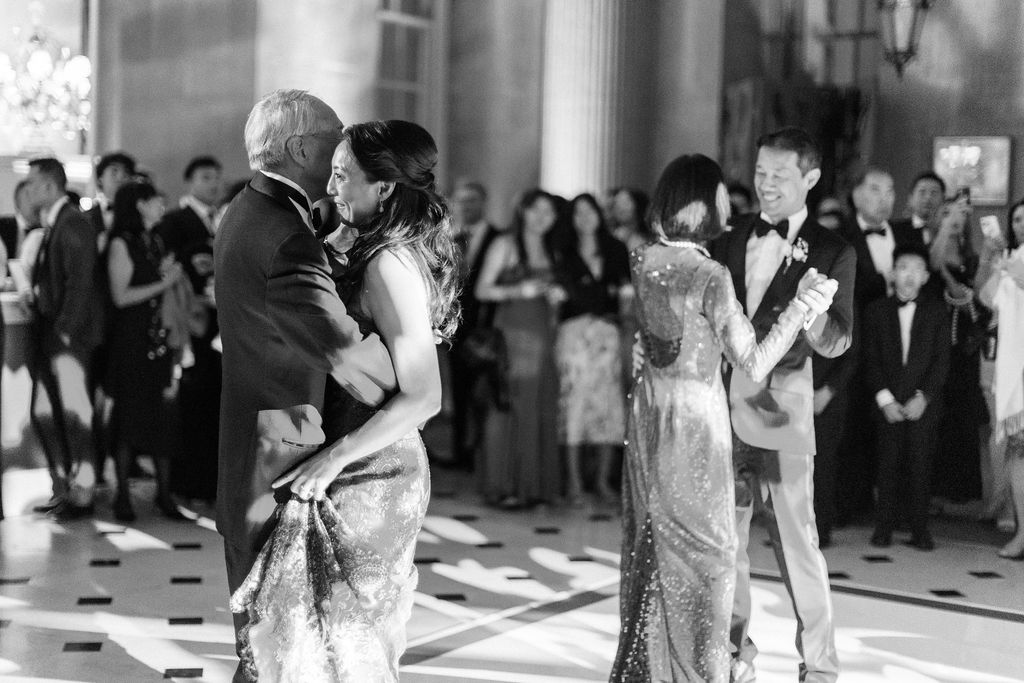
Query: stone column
[(596, 95)]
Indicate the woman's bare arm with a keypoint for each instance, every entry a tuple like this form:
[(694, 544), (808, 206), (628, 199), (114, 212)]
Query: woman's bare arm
[(396, 297)]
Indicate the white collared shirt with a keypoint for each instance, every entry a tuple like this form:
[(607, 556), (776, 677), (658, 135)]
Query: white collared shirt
[(906, 316), (207, 214), (475, 239), (303, 210), (880, 247), (921, 224), (765, 255)]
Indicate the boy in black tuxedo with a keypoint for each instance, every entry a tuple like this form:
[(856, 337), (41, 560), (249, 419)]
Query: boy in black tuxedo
[(906, 354)]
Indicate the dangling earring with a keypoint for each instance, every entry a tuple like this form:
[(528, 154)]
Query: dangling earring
[(380, 205)]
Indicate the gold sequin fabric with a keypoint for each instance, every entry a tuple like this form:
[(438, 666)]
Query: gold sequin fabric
[(331, 591), (679, 527)]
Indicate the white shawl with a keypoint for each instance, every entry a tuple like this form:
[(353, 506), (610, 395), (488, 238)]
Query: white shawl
[(1008, 302)]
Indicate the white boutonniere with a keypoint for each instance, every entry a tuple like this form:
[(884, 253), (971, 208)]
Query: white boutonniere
[(797, 252)]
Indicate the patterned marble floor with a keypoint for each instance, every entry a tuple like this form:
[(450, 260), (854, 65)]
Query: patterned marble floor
[(523, 597)]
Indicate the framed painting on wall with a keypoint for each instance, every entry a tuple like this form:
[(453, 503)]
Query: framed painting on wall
[(981, 163)]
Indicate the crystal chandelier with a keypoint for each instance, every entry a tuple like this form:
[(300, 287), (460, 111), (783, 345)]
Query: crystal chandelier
[(45, 86)]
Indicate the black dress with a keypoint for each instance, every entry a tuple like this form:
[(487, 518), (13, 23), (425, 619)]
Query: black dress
[(956, 470), (139, 361)]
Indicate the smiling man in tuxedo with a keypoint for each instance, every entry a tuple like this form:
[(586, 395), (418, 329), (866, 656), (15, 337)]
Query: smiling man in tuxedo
[(767, 256)]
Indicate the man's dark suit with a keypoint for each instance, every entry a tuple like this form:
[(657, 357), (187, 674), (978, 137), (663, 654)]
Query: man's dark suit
[(182, 228), (9, 235), (284, 330), (795, 544), (69, 326), (906, 443), (470, 413), (857, 454)]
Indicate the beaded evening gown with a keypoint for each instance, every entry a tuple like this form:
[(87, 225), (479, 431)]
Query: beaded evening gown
[(332, 589), (679, 526)]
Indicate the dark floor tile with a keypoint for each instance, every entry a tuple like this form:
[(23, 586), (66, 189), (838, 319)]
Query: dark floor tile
[(522, 577), (104, 563), (600, 517), (985, 575), (185, 621), (98, 600), (187, 546), (490, 544), (946, 593), (580, 558), (426, 560), (465, 518), (186, 579), (442, 494), (183, 673), (876, 559), (111, 532), (838, 575), (547, 530), (82, 647), (14, 581), (452, 597)]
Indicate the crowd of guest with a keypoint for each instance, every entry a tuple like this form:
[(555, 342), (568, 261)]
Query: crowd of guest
[(123, 356), (907, 421), (923, 414)]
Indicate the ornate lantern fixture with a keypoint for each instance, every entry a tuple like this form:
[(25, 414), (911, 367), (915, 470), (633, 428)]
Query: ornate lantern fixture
[(902, 21)]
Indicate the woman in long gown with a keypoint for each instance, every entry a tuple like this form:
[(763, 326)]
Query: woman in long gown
[(679, 529), (519, 465), (331, 592)]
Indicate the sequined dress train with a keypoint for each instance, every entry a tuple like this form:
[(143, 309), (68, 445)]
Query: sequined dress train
[(679, 527), (331, 591)]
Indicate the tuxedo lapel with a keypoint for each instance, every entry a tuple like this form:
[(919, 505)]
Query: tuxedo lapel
[(782, 288), (894, 341), (735, 257), (278, 191)]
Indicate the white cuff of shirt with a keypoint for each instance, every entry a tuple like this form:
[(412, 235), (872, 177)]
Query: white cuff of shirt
[(884, 398)]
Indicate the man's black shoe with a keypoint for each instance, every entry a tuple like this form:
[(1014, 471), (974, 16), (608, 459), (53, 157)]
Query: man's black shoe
[(923, 541), (49, 505), (881, 538), (69, 512)]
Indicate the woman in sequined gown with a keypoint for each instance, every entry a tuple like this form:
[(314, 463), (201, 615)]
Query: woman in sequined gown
[(331, 591), (679, 536)]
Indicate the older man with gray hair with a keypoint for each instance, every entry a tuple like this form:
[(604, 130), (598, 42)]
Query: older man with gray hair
[(283, 327)]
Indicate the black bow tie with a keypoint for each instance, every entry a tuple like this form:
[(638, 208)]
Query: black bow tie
[(763, 227), (901, 303), (880, 231)]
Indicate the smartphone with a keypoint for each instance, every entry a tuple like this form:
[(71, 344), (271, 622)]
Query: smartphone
[(990, 227)]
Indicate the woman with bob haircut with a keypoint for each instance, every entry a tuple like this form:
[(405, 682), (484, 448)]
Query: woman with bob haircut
[(679, 527)]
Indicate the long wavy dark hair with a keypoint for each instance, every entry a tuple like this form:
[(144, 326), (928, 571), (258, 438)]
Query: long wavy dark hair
[(567, 239), (415, 217), (127, 218), (518, 227), (1011, 236)]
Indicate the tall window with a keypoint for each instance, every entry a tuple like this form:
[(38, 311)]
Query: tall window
[(408, 29), (412, 76)]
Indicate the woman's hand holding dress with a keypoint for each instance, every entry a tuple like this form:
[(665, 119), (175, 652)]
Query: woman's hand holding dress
[(396, 298)]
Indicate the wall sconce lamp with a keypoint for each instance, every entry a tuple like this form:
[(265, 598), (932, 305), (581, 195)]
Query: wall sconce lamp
[(902, 21)]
